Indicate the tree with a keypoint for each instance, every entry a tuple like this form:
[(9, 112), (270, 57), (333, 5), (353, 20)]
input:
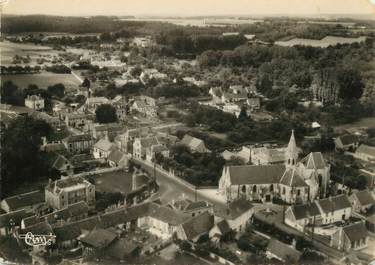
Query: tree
[(57, 90), (21, 158), (350, 83), (243, 114), (86, 83), (106, 113)]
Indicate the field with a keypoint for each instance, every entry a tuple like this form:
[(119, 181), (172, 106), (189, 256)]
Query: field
[(323, 43), (9, 49), (43, 80)]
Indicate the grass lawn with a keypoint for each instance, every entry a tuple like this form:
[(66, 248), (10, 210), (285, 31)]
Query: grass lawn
[(117, 181)]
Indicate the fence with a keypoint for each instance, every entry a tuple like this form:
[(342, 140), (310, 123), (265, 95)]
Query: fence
[(98, 171)]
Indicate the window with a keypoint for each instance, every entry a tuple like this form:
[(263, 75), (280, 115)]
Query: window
[(298, 192), (271, 187), (254, 188), (283, 190), (243, 188)]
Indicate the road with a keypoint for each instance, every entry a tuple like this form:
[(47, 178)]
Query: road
[(171, 189)]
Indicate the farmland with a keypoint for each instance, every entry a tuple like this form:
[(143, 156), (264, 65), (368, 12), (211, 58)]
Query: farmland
[(9, 50), (42, 80), (323, 43)]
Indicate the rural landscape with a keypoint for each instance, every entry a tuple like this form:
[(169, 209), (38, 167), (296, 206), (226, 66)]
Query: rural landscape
[(217, 139)]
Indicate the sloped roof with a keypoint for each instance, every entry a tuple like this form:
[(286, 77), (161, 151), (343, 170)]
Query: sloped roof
[(116, 155), (122, 248), (305, 210), (78, 138), (292, 179), (166, 214), (67, 232), (42, 228), (60, 162), (366, 149), (256, 174), (103, 144), (198, 225), (15, 216), (148, 141), (238, 207), (25, 199), (356, 231), (348, 139), (334, 203), (314, 160), (72, 210), (99, 238), (365, 197), (223, 226), (283, 251), (191, 141), (196, 205)]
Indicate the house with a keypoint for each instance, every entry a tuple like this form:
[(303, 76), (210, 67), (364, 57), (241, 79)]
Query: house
[(282, 252), (156, 149), (362, 201), (195, 227), (192, 208), (111, 129), (303, 215), (123, 248), (96, 241), (266, 155), (34, 102), (116, 158), (71, 213), (25, 201), (92, 103), (194, 144), (216, 93), (231, 97), (141, 145), (161, 220), (253, 103), (335, 209), (67, 236), (365, 152), (220, 230), (370, 223), (238, 214), (63, 165), (76, 120), (144, 108), (102, 148), (350, 237), (346, 142), (77, 144), (11, 220), (64, 192)]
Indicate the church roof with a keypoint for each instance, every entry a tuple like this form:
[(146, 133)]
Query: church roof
[(256, 174), (292, 146), (292, 178), (314, 160)]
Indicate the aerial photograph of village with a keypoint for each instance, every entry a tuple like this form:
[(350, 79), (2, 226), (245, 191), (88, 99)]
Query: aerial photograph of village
[(176, 132)]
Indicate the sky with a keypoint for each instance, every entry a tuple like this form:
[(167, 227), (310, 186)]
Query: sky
[(188, 7)]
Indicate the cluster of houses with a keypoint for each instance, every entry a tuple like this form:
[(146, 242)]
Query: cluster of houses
[(234, 99)]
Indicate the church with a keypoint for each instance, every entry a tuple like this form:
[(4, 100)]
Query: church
[(293, 181)]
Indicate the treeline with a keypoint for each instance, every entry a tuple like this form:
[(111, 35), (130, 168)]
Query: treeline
[(182, 42), (21, 159), (17, 69), (12, 94), (42, 23)]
